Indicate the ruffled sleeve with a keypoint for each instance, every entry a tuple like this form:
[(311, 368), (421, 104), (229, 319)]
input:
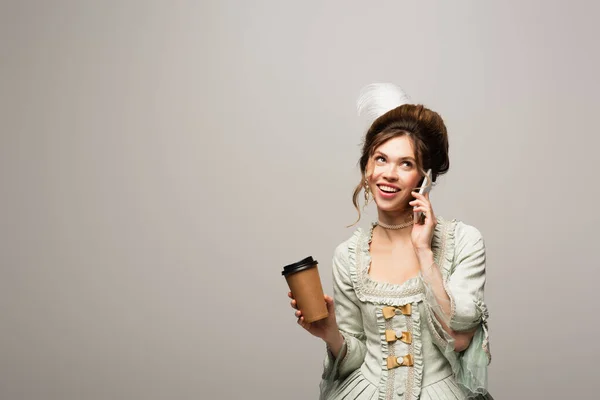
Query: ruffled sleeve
[(467, 280), (461, 258), (349, 320)]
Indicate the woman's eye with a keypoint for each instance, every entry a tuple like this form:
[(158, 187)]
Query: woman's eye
[(380, 158), (407, 163)]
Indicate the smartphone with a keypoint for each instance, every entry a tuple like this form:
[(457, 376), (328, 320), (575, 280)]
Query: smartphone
[(424, 189)]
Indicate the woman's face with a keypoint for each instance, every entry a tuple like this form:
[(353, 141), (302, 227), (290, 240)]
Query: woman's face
[(392, 174)]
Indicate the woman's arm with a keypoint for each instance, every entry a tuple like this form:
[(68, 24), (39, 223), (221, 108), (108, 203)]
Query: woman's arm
[(458, 314), (348, 344), (432, 276), (457, 303), (342, 330)]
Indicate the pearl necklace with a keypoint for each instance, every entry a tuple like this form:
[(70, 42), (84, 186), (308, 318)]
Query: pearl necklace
[(401, 226)]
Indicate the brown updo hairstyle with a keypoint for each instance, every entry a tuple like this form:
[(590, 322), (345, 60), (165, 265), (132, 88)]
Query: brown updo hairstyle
[(427, 131)]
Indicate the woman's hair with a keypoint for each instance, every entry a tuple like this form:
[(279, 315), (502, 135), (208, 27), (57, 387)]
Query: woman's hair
[(427, 132)]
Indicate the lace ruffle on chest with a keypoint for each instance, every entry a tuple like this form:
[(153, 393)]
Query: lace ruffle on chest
[(368, 290)]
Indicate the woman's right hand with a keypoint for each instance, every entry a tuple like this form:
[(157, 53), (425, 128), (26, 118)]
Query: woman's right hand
[(326, 329)]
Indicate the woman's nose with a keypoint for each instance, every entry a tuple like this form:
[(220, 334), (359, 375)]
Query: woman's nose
[(391, 173)]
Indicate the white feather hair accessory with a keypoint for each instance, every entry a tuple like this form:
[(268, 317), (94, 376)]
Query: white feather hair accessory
[(378, 98)]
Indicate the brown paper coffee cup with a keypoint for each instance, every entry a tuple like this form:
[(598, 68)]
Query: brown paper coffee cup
[(305, 283)]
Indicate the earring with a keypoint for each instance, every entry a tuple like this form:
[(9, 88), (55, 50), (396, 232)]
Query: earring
[(367, 191)]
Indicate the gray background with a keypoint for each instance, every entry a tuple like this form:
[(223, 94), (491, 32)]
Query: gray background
[(161, 161)]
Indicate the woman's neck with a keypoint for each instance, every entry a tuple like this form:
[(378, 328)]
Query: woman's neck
[(397, 219)]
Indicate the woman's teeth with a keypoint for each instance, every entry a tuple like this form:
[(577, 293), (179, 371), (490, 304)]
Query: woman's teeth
[(388, 189)]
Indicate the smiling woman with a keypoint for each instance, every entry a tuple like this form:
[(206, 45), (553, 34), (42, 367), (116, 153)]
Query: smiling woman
[(418, 139), (408, 316)]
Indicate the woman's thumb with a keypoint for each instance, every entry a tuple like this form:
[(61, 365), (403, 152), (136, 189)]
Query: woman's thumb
[(329, 302)]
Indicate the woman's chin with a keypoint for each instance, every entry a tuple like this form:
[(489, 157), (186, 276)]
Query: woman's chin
[(390, 208)]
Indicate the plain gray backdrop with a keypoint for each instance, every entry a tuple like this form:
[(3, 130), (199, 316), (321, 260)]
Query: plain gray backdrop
[(160, 161)]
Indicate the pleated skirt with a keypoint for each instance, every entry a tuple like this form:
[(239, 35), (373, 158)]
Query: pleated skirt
[(357, 387)]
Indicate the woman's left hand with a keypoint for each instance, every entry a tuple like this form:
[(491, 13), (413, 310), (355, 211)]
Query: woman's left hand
[(422, 233)]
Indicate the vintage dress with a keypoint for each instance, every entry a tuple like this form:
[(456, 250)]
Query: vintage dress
[(395, 345)]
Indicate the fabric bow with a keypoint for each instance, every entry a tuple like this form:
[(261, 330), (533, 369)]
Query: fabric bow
[(392, 336), (389, 312), (395, 362)]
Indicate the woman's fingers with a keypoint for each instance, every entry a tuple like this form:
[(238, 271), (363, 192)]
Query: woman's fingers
[(329, 303), (427, 211), (419, 203), (424, 210), (293, 303), (419, 195), (302, 323)]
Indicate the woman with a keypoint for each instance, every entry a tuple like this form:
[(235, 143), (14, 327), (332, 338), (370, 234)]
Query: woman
[(409, 318)]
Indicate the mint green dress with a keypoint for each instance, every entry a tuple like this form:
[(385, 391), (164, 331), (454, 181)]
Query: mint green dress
[(395, 347)]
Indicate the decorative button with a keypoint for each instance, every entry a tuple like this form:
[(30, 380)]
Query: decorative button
[(389, 312), (404, 361), (391, 336)]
